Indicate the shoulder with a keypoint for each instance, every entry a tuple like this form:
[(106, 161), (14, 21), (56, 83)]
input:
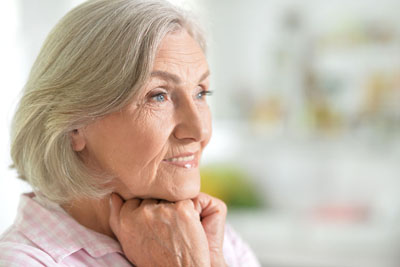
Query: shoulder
[(17, 250), (19, 254), (236, 251)]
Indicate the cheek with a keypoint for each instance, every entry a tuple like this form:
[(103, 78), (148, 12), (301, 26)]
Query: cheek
[(207, 124), (147, 144), (139, 159)]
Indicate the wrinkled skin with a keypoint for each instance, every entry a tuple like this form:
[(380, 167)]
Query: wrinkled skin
[(175, 236), (157, 212)]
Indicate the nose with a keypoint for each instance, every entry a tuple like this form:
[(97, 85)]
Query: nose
[(191, 122)]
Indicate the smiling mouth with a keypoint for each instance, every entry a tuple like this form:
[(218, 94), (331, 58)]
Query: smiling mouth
[(187, 161), (180, 159)]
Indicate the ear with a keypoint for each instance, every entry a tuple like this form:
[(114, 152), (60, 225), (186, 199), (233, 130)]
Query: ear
[(77, 140)]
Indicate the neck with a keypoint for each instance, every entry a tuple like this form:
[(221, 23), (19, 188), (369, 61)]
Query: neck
[(91, 213)]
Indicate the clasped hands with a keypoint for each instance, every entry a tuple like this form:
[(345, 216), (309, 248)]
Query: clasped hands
[(161, 233)]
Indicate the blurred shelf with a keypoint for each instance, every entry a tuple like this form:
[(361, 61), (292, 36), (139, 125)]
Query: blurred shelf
[(355, 60), (290, 241), (231, 138)]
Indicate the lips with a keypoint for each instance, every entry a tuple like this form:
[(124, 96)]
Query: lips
[(188, 160)]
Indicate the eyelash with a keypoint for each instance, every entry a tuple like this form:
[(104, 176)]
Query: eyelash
[(204, 93), (199, 95)]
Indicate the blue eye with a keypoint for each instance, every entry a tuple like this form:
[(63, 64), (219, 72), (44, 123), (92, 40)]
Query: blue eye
[(159, 97), (203, 93)]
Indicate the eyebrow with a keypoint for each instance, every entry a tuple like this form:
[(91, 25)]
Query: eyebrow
[(175, 78)]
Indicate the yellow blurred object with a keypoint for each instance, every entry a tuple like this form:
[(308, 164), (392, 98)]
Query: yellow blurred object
[(378, 92), (269, 110), (230, 184)]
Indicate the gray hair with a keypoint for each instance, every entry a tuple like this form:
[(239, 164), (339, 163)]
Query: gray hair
[(91, 64)]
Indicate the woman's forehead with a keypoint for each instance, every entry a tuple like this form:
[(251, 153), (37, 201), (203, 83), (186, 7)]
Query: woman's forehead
[(180, 52), (173, 78)]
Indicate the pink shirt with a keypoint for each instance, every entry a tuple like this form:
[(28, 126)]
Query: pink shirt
[(43, 234)]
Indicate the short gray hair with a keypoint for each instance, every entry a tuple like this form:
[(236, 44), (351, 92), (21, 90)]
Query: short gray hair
[(91, 64)]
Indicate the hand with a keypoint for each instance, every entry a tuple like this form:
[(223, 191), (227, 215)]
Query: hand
[(159, 233), (213, 214)]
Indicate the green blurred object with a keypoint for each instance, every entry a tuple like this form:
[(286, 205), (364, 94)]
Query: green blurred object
[(230, 184)]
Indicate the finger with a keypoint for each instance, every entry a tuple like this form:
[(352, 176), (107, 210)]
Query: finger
[(213, 211), (149, 201), (213, 215), (132, 204), (197, 205), (116, 203), (163, 201), (208, 205)]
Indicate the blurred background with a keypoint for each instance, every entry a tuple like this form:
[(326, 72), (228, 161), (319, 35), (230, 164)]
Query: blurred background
[(306, 106)]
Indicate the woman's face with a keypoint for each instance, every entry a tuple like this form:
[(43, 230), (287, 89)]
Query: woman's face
[(153, 146)]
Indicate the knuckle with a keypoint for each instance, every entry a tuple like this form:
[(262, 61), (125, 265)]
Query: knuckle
[(184, 204), (164, 208), (147, 212), (187, 212), (224, 207), (221, 205), (124, 224)]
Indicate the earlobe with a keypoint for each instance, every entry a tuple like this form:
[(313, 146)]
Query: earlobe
[(77, 140)]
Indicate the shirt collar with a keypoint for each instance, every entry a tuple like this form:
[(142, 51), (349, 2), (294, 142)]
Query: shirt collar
[(57, 233)]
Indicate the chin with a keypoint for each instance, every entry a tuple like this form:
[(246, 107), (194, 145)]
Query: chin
[(182, 193), (182, 187)]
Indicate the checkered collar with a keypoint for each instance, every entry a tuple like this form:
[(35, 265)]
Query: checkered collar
[(53, 230)]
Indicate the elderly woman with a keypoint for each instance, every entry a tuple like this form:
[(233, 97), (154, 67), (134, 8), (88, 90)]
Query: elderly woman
[(109, 133)]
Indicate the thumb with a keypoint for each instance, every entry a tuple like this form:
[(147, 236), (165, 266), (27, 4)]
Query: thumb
[(207, 206), (213, 215), (116, 203)]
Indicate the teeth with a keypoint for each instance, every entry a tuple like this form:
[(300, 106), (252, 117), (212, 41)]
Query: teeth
[(188, 166), (188, 158)]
